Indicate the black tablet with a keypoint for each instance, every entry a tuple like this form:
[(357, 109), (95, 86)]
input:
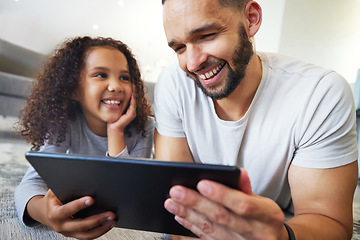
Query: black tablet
[(134, 189)]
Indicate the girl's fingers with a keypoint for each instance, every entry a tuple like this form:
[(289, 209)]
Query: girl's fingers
[(69, 209), (86, 224), (94, 232)]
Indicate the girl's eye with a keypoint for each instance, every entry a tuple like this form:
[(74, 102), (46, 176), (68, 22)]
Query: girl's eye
[(100, 75), (125, 78)]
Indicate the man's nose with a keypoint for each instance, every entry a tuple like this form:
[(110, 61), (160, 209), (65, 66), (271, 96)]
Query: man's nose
[(194, 57)]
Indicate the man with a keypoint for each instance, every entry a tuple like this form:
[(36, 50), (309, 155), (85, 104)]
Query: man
[(289, 125)]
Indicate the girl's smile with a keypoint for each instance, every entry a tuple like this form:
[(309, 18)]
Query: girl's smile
[(112, 103)]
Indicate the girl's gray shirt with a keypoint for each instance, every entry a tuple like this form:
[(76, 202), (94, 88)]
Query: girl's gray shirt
[(80, 140)]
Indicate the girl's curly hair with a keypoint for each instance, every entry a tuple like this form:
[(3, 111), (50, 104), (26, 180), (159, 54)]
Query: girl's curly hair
[(50, 106)]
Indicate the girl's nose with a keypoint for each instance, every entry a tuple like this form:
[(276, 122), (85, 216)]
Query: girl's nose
[(115, 85)]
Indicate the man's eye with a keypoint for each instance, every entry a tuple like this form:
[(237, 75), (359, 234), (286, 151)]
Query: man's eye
[(179, 49), (208, 36), (100, 75)]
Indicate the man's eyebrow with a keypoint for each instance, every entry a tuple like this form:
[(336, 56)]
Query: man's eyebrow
[(204, 28)]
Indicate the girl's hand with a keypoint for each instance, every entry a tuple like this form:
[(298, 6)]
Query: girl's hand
[(126, 118), (49, 211), (115, 130)]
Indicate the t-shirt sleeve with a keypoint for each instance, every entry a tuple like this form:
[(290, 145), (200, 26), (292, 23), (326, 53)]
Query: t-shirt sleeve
[(167, 103), (327, 126), (33, 185)]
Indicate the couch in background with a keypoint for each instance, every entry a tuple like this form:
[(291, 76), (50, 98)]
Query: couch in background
[(17, 67)]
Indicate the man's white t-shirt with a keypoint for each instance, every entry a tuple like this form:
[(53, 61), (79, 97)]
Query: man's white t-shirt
[(300, 114)]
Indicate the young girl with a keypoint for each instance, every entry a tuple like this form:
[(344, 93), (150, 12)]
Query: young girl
[(89, 99)]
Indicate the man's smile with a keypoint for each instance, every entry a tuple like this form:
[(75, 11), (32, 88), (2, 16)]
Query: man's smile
[(212, 72)]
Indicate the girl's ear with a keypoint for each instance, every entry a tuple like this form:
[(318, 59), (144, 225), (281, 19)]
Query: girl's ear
[(75, 95), (253, 14)]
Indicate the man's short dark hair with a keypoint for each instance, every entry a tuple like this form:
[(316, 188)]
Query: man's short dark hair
[(238, 4)]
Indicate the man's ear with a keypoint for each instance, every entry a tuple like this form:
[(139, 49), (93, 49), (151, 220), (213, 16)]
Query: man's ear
[(253, 13)]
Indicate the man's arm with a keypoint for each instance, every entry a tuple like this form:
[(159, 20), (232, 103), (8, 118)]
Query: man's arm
[(171, 149), (323, 201)]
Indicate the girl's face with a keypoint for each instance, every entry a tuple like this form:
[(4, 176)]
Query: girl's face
[(104, 89)]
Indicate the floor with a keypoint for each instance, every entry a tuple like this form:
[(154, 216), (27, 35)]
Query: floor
[(12, 168), (11, 143)]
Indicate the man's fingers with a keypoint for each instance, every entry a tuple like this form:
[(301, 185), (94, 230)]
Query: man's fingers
[(198, 223), (245, 185), (190, 219), (242, 204), (220, 212), (248, 209), (237, 211), (197, 231)]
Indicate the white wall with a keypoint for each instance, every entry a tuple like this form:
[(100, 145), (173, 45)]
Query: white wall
[(323, 32), (42, 24), (268, 37)]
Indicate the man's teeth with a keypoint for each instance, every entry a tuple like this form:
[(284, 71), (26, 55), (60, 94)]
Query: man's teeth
[(211, 73), (111, 102)]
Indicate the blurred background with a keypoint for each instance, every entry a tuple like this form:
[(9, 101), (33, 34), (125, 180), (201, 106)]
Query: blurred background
[(323, 32)]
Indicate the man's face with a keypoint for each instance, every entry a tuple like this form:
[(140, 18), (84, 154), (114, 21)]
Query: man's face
[(211, 43)]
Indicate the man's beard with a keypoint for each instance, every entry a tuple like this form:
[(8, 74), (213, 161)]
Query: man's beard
[(241, 58)]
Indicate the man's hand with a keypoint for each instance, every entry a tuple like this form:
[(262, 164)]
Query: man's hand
[(322, 201), (219, 212), (49, 211)]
